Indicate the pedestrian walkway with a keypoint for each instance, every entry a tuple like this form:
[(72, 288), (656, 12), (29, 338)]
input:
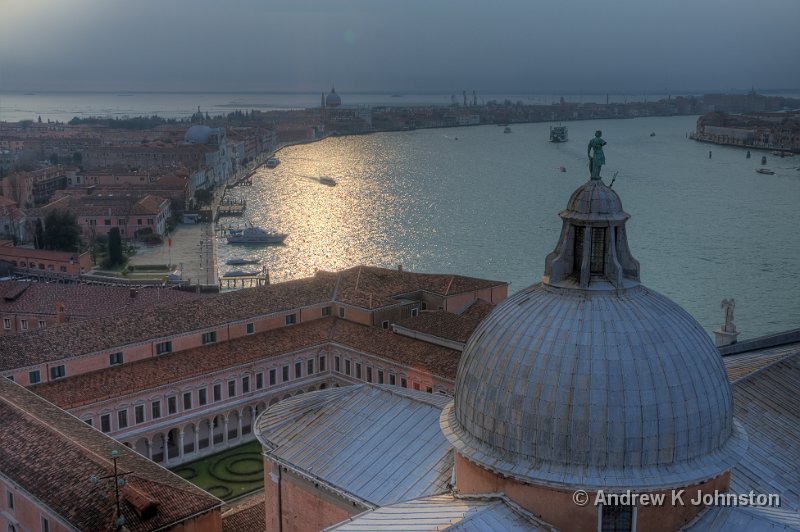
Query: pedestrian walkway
[(192, 253)]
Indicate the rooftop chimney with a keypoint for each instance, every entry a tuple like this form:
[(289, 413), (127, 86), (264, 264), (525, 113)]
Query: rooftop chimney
[(133, 292), (61, 313)]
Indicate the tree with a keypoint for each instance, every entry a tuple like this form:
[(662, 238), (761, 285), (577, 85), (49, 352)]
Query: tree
[(115, 255), (203, 196), (61, 231)]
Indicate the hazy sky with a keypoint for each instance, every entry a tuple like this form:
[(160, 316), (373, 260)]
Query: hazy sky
[(492, 46)]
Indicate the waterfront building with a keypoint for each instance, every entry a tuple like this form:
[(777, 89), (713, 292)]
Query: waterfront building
[(44, 260), (587, 383)]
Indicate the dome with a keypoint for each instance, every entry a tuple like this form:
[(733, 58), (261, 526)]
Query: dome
[(197, 134), (333, 99), (590, 379)]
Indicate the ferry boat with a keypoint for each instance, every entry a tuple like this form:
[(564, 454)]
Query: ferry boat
[(766, 171), (254, 235), (240, 262), (272, 162), (558, 133), (325, 180)]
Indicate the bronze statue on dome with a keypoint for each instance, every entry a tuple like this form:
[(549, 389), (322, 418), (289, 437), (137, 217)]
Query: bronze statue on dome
[(598, 159)]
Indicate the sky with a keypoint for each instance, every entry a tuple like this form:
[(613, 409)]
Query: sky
[(411, 46)]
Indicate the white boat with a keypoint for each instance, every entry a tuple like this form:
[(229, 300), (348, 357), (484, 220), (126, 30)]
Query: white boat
[(325, 180), (239, 262), (254, 235), (240, 273), (272, 162), (558, 133)]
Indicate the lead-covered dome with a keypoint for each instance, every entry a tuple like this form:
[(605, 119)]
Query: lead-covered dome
[(590, 379)]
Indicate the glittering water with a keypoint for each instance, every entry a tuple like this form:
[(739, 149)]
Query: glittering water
[(479, 202)]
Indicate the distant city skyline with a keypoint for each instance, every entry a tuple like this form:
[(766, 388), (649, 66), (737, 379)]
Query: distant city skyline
[(364, 46)]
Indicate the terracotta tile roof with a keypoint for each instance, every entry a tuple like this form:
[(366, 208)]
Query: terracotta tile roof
[(372, 287), (43, 254), (148, 205), (90, 336), (743, 364), (457, 327), (88, 388), (52, 454), (426, 357), (84, 337), (247, 516), (81, 301)]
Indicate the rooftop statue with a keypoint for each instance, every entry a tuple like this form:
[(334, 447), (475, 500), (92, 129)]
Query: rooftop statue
[(598, 159)]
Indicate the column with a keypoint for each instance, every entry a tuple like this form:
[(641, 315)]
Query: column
[(180, 446)]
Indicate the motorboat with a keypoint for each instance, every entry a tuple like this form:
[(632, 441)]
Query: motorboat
[(507, 130), (240, 273), (254, 235), (272, 162), (240, 262), (325, 180), (558, 133), (766, 171)]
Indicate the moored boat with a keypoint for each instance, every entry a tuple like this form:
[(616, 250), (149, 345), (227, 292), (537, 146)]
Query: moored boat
[(254, 235), (272, 162), (240, 273), (325, 180), (240, 262), (507, 130), (766, 171)]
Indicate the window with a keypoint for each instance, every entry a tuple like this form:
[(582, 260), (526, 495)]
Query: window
[(321, 364), (139, 221), (138, 414), (577, 253), (326, 311), (310, 366), (156, 409), (291, 319), (380, 376), (187, 400), (385, 324), (122, 419), (616, 517), (250, 328), (6, 323), (62, 269), (392, 379), (298, 370), (336, 364), (34, 377), (597, 259), (217, 392), (346, 367), (57, 372), (285, 373), (415, 311), (245, 384), (121, 221), (231, 388), (23, 325), (163, 348), (10, 377), (10, 500), (341, 312), (209, 337), (88, 421), (172, 405), (202, 397), (369, 374), (429, 389), (106, 221), (42, 324), (416, 386), (272, 377), (403, 382), (45, 524), (105, 422), (259, 381), (358, 370), (115, 359)]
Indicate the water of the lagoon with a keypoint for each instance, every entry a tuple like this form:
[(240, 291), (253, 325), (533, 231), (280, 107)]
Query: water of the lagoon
[(487, 205)]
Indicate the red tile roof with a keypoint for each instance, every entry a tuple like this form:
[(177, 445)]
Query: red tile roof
[(247, 516), (51, 455), (457, 327)]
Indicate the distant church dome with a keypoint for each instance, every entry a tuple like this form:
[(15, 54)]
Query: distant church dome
[(198, 134), (590, 379), (333, 99)]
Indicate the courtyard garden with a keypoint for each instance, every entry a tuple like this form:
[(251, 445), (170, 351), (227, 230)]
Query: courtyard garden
[(229, 474)]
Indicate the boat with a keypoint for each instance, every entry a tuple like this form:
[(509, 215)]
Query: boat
[(558, 133), (766, 171), (254, 235), (782, 153), (563, 168), (272, 162), (240, 273), (507, 130), (325, 180), (653, 134), (240, 262)]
